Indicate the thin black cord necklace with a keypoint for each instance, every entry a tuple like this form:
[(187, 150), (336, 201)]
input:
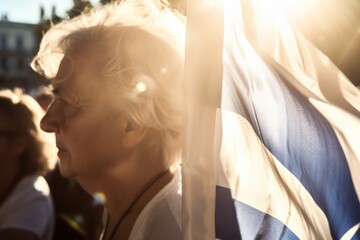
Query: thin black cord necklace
[(150, 183)]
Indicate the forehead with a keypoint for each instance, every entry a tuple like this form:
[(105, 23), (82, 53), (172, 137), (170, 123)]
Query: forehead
[(75, 76), (71, 67), (85, 59)]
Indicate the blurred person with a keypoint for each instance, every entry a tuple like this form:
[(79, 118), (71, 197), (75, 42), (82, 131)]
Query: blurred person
[(117, 113), (26, 154), (78, 215)]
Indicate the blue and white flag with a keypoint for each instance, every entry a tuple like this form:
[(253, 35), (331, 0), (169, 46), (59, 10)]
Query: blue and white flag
[(272, 130)]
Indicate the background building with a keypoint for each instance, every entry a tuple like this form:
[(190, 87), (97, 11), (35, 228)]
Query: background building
[(18, 44)]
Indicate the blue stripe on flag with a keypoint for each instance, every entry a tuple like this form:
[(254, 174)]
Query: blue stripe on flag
[(233, 217), (356, 236), (300, 138), (226, 223)]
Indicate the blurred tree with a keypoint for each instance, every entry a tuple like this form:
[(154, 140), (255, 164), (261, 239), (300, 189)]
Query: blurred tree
[(42, 27), (103, 2), (45, 23), (180, 5), (42, 13), (79, 7)]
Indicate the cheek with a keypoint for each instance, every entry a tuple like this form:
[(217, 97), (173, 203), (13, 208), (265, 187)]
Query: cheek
[(93, 147), (79, 133)]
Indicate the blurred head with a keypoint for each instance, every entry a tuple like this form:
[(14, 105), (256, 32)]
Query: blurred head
[(121, 63), (22, 141)]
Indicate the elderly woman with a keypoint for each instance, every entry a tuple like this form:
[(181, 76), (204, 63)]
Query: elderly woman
[(117, 73), (26, 210)]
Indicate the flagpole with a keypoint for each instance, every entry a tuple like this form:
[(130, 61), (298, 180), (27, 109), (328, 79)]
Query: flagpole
[(203, 75)]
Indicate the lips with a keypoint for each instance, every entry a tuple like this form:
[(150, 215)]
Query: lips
[(62, 150), (59, 144), (62, 153)]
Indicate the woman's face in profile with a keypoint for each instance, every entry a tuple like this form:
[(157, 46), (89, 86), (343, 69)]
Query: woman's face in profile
[(83, 121)]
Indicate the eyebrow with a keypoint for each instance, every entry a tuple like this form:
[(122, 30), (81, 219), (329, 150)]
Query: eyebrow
[(69, 98)]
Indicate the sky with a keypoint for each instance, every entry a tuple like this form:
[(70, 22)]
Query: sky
[(28, 11)]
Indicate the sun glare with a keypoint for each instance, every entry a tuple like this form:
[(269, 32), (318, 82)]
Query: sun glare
[(141, 86), (286, 7), (290, 5)]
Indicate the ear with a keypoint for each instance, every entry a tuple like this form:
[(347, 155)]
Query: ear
[(133, 133)]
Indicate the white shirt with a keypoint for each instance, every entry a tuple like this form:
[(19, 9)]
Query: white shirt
[(161, 217), (29, 207)]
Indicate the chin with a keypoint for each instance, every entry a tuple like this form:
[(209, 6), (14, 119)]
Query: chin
[(67, 174), (66, 170)]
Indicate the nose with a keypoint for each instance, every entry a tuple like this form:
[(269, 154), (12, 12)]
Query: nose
[(50, 122)]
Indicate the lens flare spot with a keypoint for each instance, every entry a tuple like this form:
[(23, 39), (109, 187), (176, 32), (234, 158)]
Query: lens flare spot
[(163, 70), (76, 222), (99, 198), (141, 87)]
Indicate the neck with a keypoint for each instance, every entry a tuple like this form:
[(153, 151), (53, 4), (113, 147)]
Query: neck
[(124, 187), (120, 223)]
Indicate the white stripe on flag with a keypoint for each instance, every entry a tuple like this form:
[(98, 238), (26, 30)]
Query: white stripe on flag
[(349, 234)]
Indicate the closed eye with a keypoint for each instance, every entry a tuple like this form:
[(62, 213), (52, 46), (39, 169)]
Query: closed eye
[(68, 108)]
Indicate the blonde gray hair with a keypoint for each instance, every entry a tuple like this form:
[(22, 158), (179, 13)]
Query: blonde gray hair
[(140, 50)]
